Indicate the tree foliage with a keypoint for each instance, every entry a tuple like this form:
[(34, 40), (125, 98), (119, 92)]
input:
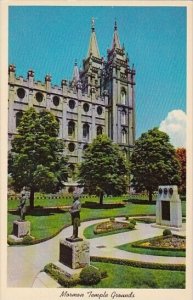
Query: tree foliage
[(104, 168), (181, 156), (153, 162), (36, 158)]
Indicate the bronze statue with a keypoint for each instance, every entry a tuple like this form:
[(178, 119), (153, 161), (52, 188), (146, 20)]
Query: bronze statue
[(75, 215), (24, 196)]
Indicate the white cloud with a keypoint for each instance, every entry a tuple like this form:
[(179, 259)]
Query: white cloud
[(175, 126)]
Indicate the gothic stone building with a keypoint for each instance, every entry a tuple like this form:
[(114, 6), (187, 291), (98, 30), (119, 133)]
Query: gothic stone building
[(99, 99)]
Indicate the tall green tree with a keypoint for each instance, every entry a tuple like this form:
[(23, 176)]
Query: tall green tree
[(181, 156), (154, 162), (104, 168), (36, 158)]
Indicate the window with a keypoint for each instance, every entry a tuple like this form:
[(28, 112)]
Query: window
[(99, 110), (18, 115), (71, 104), (86, 107), (99, 130), (86, 131), (71, 147), (56, 100), (123, 117), (123, 97), (21, 93), (39, 97), (123, 136), (85, 147), (71, 128)]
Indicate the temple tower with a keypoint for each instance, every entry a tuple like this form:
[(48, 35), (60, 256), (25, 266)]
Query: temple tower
[(119, 80)]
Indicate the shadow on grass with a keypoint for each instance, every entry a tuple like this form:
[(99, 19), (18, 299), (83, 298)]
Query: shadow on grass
[(138, 201), (96, 205), (40, 211)]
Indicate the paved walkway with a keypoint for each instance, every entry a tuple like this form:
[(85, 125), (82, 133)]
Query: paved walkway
[(25, 263)]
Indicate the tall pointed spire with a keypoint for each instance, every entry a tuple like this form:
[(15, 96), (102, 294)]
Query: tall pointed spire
[(93, 46), (116, 42), (76, 76)]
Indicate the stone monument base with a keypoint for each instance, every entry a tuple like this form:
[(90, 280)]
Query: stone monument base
[(21, 228), (74, 254), (167, 227)]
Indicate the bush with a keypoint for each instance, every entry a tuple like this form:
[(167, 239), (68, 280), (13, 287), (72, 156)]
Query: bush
[(104, 274), (133, 221), (27, 239), (131, 226), (68, 282), (167, 232), (90, 275), (126, 218)]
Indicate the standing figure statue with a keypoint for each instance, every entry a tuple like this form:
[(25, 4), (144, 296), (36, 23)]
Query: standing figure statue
[(75, 215), (24, 196)]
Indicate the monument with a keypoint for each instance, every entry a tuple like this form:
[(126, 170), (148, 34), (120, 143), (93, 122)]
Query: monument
[(168, 207), (21, 227), (74, 251)]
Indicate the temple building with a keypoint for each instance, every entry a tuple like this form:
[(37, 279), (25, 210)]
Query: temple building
[(100, 98)]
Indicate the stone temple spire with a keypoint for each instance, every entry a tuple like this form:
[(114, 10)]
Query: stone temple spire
[(116, 42), (93, 49), (76, 76)]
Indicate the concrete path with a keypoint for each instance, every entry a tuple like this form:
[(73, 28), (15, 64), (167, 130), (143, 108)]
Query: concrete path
[(25, 263)]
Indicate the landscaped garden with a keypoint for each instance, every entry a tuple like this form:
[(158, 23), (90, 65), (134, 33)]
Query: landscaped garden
[(51, 213), (109, 275)]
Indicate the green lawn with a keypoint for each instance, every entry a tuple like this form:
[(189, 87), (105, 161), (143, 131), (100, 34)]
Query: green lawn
[(129, 248), (120, 276), (45, 223)]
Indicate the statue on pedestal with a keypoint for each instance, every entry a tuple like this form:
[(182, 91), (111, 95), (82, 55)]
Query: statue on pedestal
[(75, 216), (24, 196)]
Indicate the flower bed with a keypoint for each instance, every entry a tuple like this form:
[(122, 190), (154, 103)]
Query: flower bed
[(112, 226), (172, 242)]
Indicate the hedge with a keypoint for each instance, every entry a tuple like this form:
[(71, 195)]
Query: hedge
[(139, 264)]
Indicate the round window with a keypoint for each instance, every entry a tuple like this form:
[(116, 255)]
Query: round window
[(39, 97), (99, 110), (71, 147), (21, 93), (86, 107), (56, 100), (72, 104)]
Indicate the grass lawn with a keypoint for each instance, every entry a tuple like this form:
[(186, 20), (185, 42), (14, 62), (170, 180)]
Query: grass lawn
[(120, 276), (46, 223), (129, 248), (89, 232)]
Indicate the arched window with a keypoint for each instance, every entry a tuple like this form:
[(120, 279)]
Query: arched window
[(99, 130), (71, 128), (123, 97), (86, 131), (123, 117), (123, 136), (18, 115)]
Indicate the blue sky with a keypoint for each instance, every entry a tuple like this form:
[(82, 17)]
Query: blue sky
[(49, 39)]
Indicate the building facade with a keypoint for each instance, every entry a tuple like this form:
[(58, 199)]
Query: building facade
[(99, 99)]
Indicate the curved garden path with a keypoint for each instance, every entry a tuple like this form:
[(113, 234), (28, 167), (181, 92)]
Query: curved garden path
[(24, 263)]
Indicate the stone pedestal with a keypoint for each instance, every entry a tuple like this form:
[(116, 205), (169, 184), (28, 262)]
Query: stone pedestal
[(168, 207), (74, 254), (21, 228)]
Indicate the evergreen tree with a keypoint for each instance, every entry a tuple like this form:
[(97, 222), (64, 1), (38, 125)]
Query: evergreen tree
[(154, 162), (104, 168), (36, 158)]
